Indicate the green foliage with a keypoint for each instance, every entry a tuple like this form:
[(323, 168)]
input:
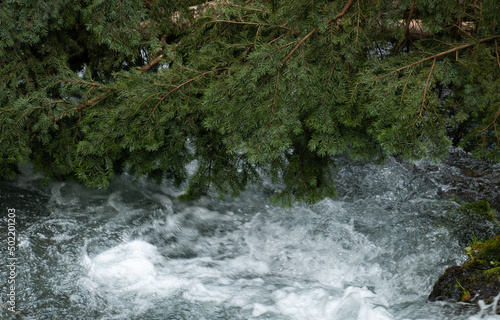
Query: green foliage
[(487, 250), (482, 208), (94, 88)]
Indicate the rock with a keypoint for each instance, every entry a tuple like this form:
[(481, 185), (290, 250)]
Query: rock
[(477, 279), (473, 281)]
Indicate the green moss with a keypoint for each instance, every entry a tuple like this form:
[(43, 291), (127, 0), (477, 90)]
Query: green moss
[(482, 208), (488, 250), (493, 273)]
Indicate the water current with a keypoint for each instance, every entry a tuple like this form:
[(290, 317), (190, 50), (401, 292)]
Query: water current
[(135, 252)]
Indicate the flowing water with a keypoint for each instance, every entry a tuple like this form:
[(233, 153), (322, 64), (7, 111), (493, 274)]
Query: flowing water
[(135, 252)]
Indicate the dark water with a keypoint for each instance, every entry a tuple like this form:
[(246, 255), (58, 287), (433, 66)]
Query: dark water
[(135, 252)]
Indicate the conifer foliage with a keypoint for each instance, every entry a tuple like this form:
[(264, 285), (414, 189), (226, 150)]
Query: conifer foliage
[(92, 88)]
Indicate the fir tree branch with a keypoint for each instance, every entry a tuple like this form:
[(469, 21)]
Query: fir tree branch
[(250, 23), (342, 13), (425, 92), (272, 113), (152, 63), (406, 84), (440, 55), (22, 116), (299, 44), (92, 84), (494, 126), (406, 29), (338, 16), (147, 4), (94, 100), (496, 53), (170, 92), (357, 26), (248, 8)]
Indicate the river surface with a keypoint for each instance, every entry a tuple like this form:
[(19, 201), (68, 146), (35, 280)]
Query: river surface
[(135, 252)]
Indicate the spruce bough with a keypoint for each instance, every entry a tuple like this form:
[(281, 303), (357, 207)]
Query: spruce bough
[(91, 89)]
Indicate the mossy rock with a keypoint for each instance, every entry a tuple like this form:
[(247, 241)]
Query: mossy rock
[(471, 282), (477, 279)]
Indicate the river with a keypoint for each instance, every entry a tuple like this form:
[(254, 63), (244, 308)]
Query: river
[(134, 251)]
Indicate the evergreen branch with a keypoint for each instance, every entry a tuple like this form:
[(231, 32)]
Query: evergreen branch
[(22, 116), (338, 16), (357, 26), (97, 99), (270, 53), (258, 89), (406, 29), (248, 8), (272, 113), (52, 102), (331, 72), (425, 92), (250, 23), (496, 53), (212, 145), (170, 92), (121, 16), (256, 37), (435, 56), (299, 44), (147, 4), (92, 84), (342, 13), (494, 125), (406, 84), (152, 63), (275, 39)]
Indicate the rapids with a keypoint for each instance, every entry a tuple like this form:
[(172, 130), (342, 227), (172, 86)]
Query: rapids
[(135, 252)]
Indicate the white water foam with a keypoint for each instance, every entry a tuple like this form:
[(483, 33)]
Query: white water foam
[(289, 270), (374, 252)]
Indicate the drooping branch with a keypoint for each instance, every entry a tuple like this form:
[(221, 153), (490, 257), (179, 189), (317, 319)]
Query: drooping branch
[(176, 88), (407, 27), (422, 107), (196, 11), (496, 53), (178, 21), (338, 16), (441, 54)]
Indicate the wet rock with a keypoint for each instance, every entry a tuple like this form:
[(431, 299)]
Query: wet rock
[(471, 282), (477, 279), (464, 177)]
